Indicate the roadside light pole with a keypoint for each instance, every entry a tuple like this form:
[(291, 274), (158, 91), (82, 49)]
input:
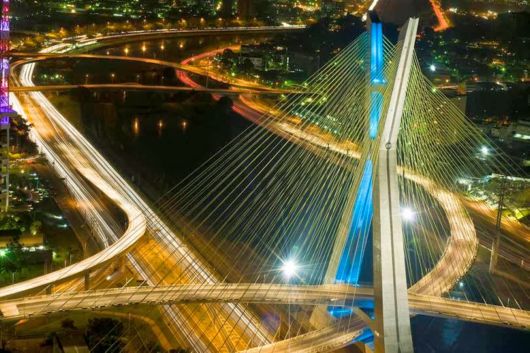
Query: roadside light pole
[(496, 241)]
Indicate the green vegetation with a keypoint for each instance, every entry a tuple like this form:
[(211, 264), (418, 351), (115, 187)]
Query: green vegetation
[(104, 335)]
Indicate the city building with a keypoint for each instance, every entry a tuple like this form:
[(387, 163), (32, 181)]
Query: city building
[(265, 57), (245, 9), (26, 239), (227, 8), (518, 131), (333, 8)]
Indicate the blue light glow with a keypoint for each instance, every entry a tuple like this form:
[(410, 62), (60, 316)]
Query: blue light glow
[(376, 53), (350, 264), (376, 108)]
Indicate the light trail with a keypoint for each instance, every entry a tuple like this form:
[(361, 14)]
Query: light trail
[(141, 87), (184, 32), (237, 83), (260, 293), (443, 22)]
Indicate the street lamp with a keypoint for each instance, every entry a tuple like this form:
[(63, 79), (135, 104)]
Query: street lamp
[(484, 150), (289, 269), (408, 214)]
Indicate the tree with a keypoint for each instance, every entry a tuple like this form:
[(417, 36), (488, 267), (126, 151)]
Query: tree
[(104, 335), (68, 324), (13, 258), (225, 104), (247, 66)]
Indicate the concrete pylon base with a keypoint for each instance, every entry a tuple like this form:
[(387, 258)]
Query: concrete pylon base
[(320, 317)]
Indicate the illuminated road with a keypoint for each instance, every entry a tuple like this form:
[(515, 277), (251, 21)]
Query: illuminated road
[(238, 83), (151, 88), (328, 339), (336, 295), (112, 38), (462, 245), (443, 22)]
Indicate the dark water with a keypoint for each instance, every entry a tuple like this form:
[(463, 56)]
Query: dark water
[(436, 335), (160, 138)]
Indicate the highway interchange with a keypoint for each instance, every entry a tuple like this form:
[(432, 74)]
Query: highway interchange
[(85, 160)]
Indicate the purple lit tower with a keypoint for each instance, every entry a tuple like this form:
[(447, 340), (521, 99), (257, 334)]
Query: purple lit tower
[(4, 49), (5, 108)]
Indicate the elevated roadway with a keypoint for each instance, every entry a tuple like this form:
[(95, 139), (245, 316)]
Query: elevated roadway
[(26, 58), (151, 88), (129, 36), (266, 293)]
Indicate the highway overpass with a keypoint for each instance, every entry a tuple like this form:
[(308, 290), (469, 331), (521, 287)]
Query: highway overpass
[(266, 293)]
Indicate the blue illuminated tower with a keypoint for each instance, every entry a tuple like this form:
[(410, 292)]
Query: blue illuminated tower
[(350, 264)]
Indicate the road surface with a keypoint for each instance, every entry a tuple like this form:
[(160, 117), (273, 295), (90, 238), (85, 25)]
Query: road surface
[(266, 293), (141, 87)]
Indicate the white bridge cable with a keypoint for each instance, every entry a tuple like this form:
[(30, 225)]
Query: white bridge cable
[(441, 134)]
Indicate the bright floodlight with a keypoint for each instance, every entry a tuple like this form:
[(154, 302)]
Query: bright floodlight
[(432, 67), (289, 268), (408, 214), (485, 150)]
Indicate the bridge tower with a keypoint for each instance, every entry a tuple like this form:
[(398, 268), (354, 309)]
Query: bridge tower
[(378, 199), (392, 318), (5, 108)]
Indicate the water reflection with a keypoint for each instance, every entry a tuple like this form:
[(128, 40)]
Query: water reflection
[(179, 48), (136, 126), (160, 127), (184, 125)]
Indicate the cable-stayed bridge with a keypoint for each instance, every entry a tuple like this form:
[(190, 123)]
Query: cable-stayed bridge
[(285, 213)]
